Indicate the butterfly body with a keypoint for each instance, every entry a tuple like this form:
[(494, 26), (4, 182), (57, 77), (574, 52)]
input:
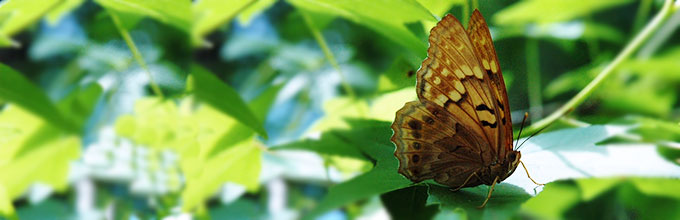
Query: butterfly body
[(459, 132)]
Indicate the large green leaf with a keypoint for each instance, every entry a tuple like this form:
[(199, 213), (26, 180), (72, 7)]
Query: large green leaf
[(572, 153), (16, 89), (388, 18), (176, 13), (211, 90)]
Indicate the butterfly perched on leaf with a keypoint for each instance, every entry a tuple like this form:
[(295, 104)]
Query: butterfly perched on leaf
[(459, 132)]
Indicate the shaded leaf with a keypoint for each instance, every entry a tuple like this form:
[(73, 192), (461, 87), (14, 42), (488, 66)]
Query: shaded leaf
[(408, 203)]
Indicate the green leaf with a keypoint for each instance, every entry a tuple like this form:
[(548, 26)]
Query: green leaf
[(237, 132), (79, 104), (372, 139), (15, 88), (440, 7), (211, 14), (211, 90), (504, 203), (15, 15), (388, 18), (400, 75), (171, 12), (253, 10), (62, 9), (240, 164), (543, 12), (6, 207), (36, 151), (556, 199), (572, 153), (408, 203)]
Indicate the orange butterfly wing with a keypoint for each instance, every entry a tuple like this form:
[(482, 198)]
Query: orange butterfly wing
[(478, 31), (458, 128)]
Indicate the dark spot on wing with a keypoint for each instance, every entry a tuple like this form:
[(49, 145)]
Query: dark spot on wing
[(483, 107), (486, 123), (416, 145), (414, 124), (415, 158)]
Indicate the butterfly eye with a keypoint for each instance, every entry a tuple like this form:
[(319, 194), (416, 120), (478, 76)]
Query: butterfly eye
[(512, 156)]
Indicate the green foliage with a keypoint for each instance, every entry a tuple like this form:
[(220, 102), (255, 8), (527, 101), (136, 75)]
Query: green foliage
[(17, 89), (333, 73), (542, 12), (171, 12), (208, 88), (388, 21), (35, 150)]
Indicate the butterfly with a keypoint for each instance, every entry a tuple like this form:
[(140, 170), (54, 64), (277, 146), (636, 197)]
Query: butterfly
[(459, 132)]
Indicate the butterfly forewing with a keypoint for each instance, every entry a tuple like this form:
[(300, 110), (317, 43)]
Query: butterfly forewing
[(479, 34), (452, 77)]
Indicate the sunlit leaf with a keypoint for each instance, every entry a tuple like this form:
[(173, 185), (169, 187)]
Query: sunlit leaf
[(6, 207), (62, 9), (240, 164), (15, 15), (572, 153), (171, 12), (253, 10), (400, 75), (210, 14), (541, 11), (388, 18)]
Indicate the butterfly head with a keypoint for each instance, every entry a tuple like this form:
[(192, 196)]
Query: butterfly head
[(512, 160)]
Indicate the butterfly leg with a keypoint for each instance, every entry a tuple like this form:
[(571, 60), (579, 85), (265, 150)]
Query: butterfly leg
[(532, 180), (466, 181), (488, 196)]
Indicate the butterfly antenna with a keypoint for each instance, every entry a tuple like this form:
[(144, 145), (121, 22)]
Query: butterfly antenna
[(526, 115), (532, 135)]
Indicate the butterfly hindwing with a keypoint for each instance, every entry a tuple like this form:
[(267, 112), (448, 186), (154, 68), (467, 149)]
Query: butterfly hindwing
[(433, 144)]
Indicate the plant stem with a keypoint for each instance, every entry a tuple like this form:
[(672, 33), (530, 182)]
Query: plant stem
[(663, 15), (135, 53), (329, 55)]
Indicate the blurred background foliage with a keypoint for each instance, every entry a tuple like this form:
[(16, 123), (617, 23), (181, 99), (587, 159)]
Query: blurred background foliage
[(258, 109)]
